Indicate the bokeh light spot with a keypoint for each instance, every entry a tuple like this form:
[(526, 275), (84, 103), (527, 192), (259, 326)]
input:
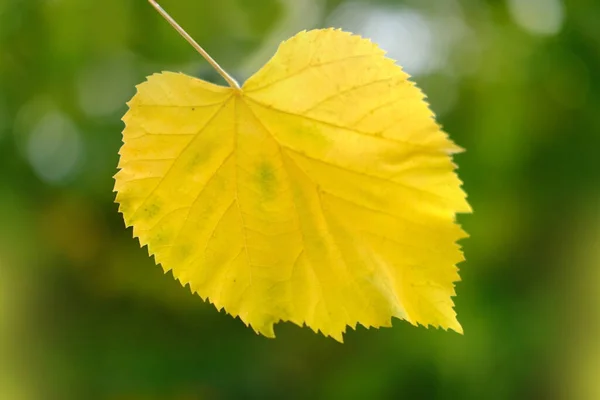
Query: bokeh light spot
[(54, 148), (540, 17), (405, 33)]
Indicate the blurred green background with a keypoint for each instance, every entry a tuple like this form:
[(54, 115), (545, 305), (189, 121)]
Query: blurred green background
[(85, 313)]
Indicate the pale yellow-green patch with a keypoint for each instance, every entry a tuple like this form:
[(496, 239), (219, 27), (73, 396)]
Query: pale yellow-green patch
[(322, 192)]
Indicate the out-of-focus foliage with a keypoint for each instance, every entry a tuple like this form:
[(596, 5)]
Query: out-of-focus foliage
[(84, 313)]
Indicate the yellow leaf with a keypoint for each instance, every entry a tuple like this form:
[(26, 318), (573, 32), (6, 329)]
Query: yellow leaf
[(322, 192)]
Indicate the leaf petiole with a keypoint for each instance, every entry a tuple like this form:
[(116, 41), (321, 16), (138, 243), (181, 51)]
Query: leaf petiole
[(232, 82)]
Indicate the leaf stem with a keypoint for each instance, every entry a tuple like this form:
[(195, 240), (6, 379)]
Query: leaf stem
[(232, 82)]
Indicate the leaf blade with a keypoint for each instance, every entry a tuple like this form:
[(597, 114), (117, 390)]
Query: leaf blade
[(323, 193)]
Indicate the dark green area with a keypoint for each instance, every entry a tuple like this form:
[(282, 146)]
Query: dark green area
[(85, 314), (266, 180)]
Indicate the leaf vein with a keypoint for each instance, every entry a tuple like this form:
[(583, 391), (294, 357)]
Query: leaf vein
[(348, 90), (375, 135), (310, 66), (187, 146), (362, 173), (194, 202)]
